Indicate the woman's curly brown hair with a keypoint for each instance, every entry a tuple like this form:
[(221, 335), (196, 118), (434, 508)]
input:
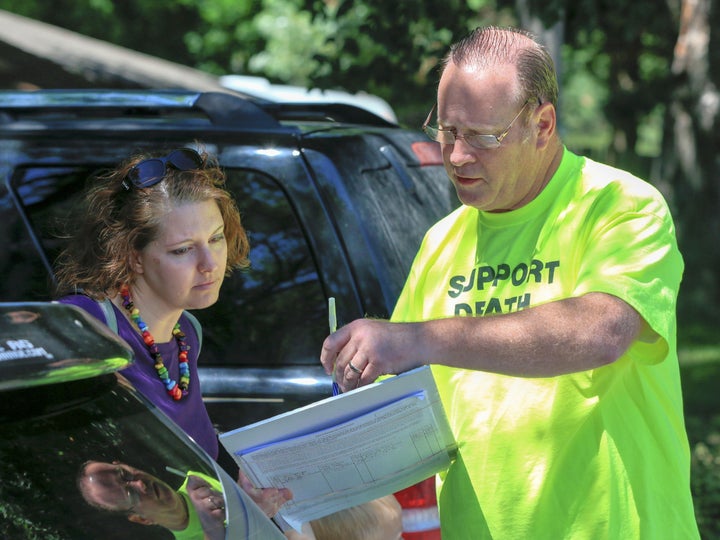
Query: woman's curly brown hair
[(114, 222)]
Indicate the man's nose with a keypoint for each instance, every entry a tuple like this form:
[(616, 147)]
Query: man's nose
[(137, 485), (461, 152)]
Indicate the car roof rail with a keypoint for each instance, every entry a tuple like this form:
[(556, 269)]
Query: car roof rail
[(224, 109), (220, 108), (342, 113)]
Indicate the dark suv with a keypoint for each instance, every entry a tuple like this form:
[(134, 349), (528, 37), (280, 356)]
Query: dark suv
[(335, 199)]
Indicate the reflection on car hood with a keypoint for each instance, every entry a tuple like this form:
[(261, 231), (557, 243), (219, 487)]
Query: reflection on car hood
[(46, 342)]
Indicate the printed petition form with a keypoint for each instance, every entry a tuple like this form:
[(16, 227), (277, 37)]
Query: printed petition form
[(348, 449)]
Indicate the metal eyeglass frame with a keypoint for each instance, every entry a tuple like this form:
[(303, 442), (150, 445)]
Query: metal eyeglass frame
[(476, 140)]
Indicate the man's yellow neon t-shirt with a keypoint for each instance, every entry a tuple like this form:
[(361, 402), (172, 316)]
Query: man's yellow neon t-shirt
[(194, 529), (596, 454)]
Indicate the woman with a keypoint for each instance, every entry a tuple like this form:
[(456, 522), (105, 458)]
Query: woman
[(157, 236)]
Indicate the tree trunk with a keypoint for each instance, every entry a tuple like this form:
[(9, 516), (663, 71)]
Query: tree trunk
[(691, 157)]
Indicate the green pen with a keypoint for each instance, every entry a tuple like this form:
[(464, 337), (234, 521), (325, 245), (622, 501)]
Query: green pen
[(332, 322)]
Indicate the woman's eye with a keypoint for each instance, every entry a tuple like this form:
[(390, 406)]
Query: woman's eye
[(218, 238), (180, 251)]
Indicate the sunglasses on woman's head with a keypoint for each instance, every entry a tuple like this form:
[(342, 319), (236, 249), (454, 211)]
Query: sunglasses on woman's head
[(151, 171)]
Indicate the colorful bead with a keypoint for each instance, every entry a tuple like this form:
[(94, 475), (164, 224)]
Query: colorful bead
[(175, 390)]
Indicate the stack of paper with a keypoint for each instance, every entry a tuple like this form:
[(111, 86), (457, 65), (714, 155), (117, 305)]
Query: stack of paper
[(348, 449)]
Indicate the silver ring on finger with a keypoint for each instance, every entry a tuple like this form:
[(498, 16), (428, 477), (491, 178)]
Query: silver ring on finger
[(354, 369)]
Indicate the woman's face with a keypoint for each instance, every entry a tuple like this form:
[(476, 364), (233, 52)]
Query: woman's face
[(184, 267)]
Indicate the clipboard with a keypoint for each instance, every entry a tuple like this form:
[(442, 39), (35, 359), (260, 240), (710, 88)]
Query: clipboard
[(348, 449)]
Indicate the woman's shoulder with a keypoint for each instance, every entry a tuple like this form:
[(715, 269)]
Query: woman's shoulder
[(85, 303), (192, 328)]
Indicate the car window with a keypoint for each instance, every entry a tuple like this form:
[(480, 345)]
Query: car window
[(273, 313), (385, 205), (37, 197), (270, 314)]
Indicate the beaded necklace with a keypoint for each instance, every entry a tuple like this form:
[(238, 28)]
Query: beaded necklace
[(174, 390)]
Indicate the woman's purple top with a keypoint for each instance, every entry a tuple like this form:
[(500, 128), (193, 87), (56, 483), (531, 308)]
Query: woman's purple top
[(189, 413)]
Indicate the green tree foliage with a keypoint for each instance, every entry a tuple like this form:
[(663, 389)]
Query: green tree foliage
[(611, 61), (155, 27), (691, 162), (386, 48), (223, 37), (632, 60)]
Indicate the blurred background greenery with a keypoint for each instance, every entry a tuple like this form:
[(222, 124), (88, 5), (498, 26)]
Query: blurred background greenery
[(639, 89)]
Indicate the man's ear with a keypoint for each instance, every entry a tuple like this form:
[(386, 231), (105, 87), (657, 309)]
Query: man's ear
[(137, 518), (546, 123)]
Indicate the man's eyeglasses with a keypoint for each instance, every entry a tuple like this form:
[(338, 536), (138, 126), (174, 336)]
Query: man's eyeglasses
[(125, 478), (476, 140), (151, 171)]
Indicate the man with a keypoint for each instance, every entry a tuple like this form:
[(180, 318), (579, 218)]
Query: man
[(195, 511), (546, 308)]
